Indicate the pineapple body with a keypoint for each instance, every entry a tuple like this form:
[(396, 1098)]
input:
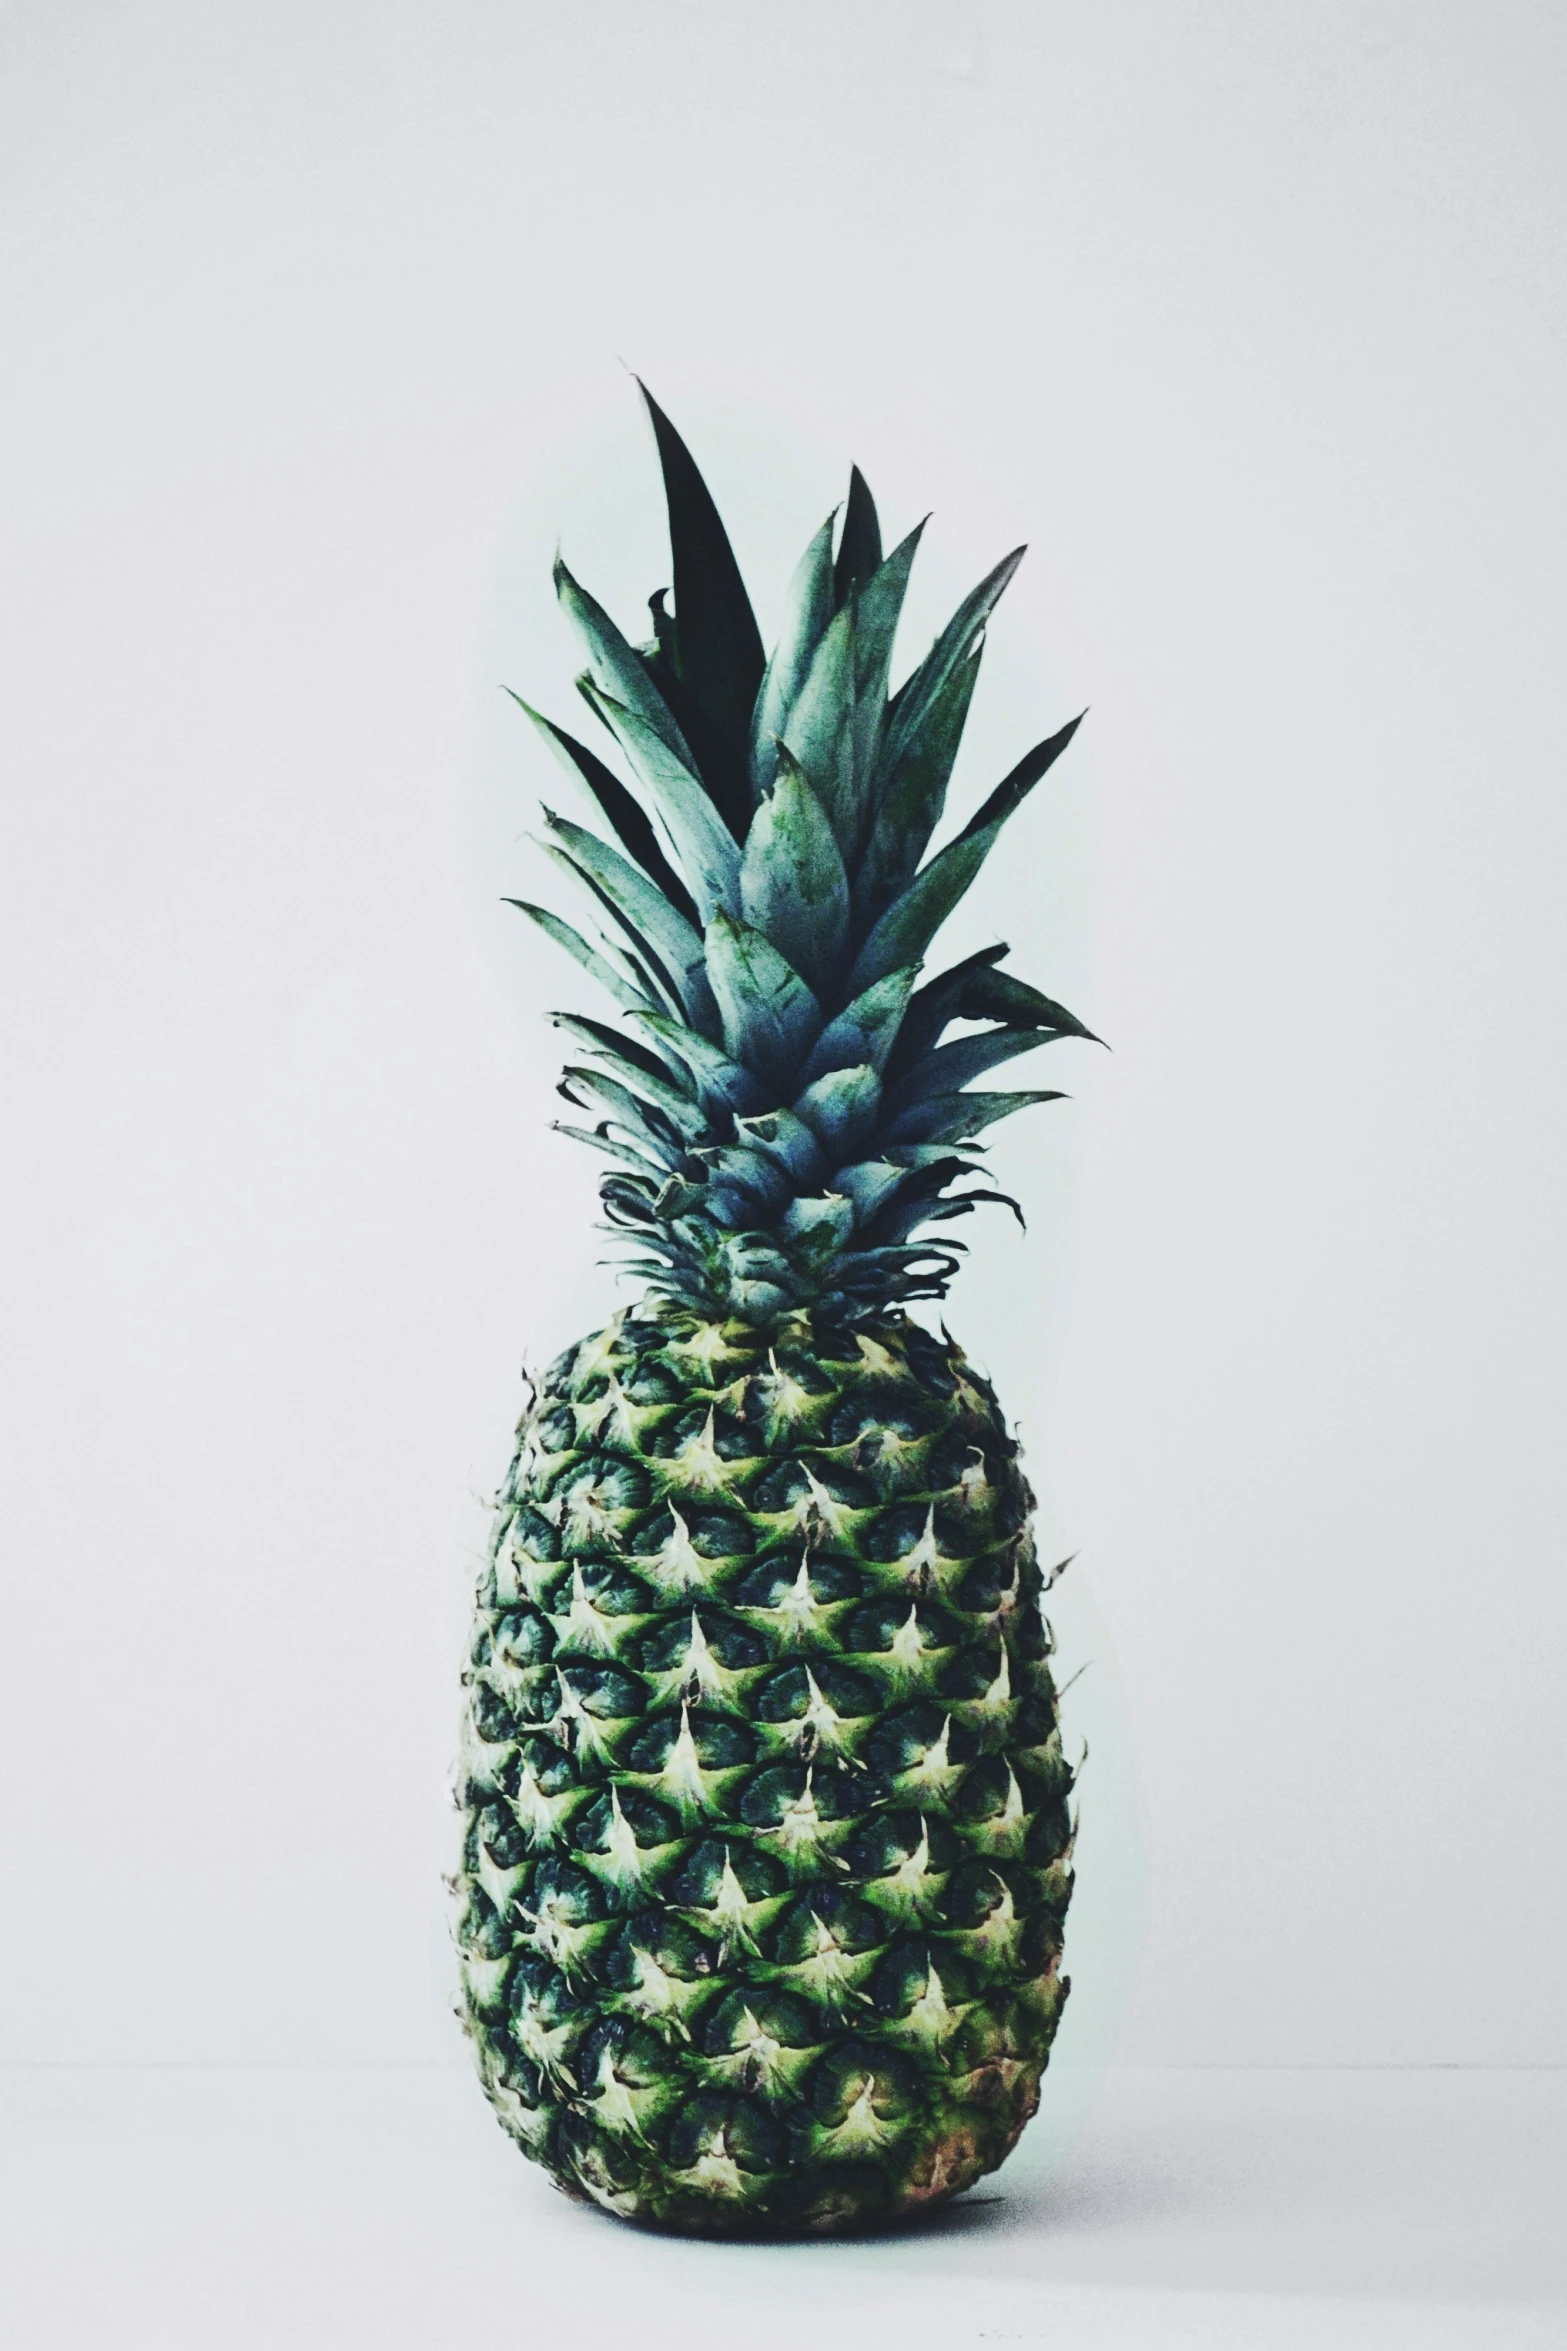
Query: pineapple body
[(766, 1844)]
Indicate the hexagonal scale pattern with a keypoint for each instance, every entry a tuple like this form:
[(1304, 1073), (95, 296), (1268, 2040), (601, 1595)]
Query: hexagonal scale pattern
[(767, 1837)]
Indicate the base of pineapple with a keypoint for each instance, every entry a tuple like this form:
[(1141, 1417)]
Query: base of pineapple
[(726, 2170)]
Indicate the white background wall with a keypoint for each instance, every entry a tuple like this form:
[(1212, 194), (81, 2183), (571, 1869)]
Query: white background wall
[(1252, 320)]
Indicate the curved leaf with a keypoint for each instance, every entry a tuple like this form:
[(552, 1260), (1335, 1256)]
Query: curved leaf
[(678, 1116), (717, 1077), (649, 915), (878, 602), (998, 995), (859, 552), (953, 1118), (590, 959), (659, 1076), (961, 1203), (615, 666), (718, 647), (867, 1028), (939, 1001), (637, 955), (806, 616), (912, 921), (603, 1138), (904, 932), (628, 820), (869, 1183), (705, 846), (787, 1140), (842, 1107), (1013, 789), (793, 887), (914, 1201), (951, 1066), (819, 730), (642, 1122), (752, 1172), (912, 795), (771, 1019), (956, 642)]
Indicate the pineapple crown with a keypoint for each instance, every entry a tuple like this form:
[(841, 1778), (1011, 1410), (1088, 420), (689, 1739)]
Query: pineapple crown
[(786, 1117)]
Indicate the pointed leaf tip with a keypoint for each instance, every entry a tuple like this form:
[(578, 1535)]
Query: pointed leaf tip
[(717, 647), (859, 548)]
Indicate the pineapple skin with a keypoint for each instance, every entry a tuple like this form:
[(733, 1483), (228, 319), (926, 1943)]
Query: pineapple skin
[(766, 1833)]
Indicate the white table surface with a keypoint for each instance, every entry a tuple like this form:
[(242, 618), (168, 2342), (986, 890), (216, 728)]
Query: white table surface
[(235, 2208)]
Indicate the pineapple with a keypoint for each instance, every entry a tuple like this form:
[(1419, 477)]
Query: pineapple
[(767, 1844)]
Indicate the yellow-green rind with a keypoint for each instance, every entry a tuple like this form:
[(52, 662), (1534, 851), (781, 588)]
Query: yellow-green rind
[(767, 1841)]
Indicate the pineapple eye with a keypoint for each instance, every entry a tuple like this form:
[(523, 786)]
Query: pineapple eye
[(878, 1416), (521, 1637), (731, 1439), (720, 1745), (918, 1528), (530, 1532), (828, 1581), (651, 1383), (493, 1718), (502, 1839), (720, 1864), (832, 1689), (715, 1534)]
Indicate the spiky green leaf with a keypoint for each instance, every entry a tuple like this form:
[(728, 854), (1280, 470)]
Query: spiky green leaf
[(806, 616), (592, 962), (952, 1066), (718, 1078), (787, 1140), (910, 923), (912, 796), (631, 951), (842, 1107), (771, 1019), (718, 646), (677, 1126), (819, 731), (867, 1028), (663, 1077), (939, 1001), (603, 1138), (755, 1173), (793, 887), (1014, 788), (629, 822), (954, 645), (904, 932), (678, 1118), (834, 724), (584, 1088), (869, 1183), (999, 995), (859, 551), (649, 915), (616, 668), (878, 602), (708, 853), (912, 1204), (953, 1118)]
